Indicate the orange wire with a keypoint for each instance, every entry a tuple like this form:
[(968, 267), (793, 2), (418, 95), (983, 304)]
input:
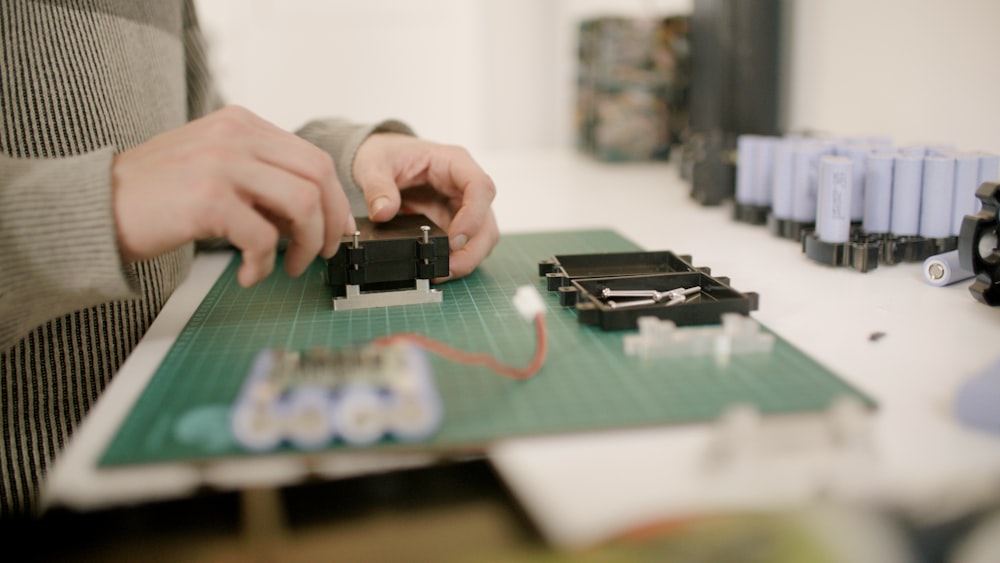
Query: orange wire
[(475, 358)]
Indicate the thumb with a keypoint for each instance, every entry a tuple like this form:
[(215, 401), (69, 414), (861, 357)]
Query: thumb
[(381, 196)]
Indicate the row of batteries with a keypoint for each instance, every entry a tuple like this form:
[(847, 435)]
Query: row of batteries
[(858, 202)]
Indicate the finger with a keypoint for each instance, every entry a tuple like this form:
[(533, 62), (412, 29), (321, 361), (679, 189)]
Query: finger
[(291, 198), (477, 190), (256, 238), (271, 144), (316, 166), (381, 192), (462, 262)]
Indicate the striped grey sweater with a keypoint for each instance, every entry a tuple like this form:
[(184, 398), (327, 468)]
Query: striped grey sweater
[(81, 80)]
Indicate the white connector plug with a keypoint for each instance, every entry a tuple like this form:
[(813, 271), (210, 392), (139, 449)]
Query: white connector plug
[(528, 302)]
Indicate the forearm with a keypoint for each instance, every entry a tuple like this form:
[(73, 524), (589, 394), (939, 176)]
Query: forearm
[(57, 232)]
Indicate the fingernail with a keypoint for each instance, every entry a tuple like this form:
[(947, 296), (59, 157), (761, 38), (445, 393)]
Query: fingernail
[(446, 278), (352, 225), (378, 204), (458, 242)]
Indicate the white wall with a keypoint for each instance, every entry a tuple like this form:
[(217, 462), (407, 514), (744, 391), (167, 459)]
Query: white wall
[(918, 70), (494, 74), (420, 60)]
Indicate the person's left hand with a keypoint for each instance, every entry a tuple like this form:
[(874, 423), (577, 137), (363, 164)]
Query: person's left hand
[(442, 182)]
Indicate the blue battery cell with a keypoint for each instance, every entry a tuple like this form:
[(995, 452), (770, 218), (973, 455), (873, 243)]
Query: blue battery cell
[(360, 416), (907, 182), (878, 193), (414, 416), (936, 197), (784, 168), (256, 420), (746, 168), (258, 427), (805, 180), (965, 201), (308, 415), (755, 169), (833, 202), (989, 168), (763, 184), (858, 154), (945, 269)]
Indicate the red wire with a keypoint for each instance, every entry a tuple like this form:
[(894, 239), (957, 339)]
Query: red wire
[(475, 358)]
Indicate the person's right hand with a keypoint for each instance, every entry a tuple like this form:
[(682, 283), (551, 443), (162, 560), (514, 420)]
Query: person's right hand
[(231, 175)]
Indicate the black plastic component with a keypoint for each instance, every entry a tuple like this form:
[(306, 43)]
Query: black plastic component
[(752, 214), (977, 246), (865, 251), (706, 307), (862, 255), (581, 279), (900, 249), (791, 230), (390, 255), (561, 269), (735, 88)]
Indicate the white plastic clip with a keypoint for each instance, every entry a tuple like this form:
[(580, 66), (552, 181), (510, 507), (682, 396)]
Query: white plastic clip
[(528, 302), (738, 334)]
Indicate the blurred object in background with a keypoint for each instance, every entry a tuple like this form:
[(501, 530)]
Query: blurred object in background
[(632, 86), (735, 56)]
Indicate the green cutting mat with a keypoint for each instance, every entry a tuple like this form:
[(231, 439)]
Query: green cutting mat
[(586, 384)]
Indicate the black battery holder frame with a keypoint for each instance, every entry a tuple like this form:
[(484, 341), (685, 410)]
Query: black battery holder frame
[(382, 260), (582, 279), (977, 247)]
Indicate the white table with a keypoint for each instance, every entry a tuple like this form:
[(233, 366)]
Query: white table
[(583, 488)]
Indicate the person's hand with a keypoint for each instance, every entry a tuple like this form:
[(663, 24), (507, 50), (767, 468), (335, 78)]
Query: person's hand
[(232, 175), (442, 182)]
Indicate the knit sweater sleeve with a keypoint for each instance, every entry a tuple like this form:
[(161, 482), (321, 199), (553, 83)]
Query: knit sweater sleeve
[(202, 94), (341, 139), (44, 271)]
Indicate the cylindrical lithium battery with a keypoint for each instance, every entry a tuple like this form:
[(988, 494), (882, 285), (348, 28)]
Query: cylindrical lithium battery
[(859, 158), (746, 168), (308, 414), (944, 269), (966, 183), (257, 417), (989, 168), (784, 167), (833, 201), (936, 196), (258, 427), (878, 193), (763, 184), (414, 416), (359, 415), (805, 181), (907, 179)]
